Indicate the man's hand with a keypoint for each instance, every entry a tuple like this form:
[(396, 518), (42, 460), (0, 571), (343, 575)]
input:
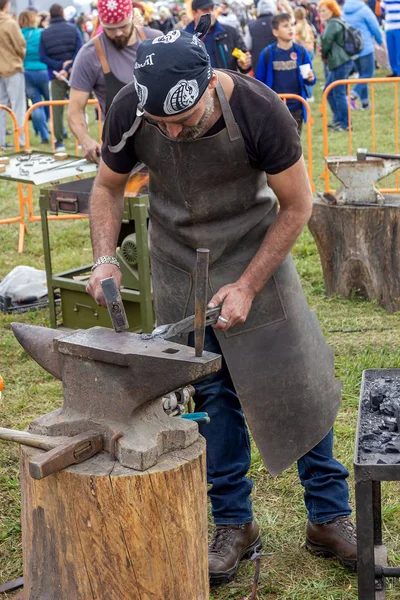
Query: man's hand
[(62, 75), (66, 63), (310, 76), (91, 150), (245, 63), (236, 300), (102, 272)]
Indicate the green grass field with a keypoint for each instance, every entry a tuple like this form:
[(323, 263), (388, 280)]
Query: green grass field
[(288, 572)]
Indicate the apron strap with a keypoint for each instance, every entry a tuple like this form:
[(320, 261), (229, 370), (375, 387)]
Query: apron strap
[(100, 53), (231, 125), (125, 136), (141, 33)]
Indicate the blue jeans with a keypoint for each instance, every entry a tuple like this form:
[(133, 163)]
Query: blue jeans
[(365, 66), (337, 96), (37, 87), (229, 454), (393, 46)]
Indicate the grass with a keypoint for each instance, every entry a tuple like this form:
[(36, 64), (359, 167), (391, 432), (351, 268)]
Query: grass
[(288, 572)]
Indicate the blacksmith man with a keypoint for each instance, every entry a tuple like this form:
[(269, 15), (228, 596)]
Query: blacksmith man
[(216, 143)]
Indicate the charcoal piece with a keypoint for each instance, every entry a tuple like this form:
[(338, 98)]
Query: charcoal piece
[(387, 408), (390, 423), (376, 397), (380, 461), (367, 436)]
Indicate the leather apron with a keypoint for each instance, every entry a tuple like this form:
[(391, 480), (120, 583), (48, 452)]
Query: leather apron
[(204, 193), (112, 83)]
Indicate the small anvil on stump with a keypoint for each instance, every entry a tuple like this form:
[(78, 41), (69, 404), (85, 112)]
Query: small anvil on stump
[(356, 230), (130, 522)]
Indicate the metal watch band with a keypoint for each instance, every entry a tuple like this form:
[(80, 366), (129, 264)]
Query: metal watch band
[(103, 260)]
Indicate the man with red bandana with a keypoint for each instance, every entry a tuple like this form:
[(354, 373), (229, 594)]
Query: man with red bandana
[(104, 65)]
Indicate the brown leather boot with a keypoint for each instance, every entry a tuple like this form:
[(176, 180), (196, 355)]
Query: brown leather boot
[(337, 538), (229, 544)]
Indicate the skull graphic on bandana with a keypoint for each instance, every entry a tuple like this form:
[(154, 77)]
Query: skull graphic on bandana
[(181, 97)]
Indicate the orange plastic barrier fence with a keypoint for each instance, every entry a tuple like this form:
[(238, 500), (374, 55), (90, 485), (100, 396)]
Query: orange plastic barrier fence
[(308, 125), (21, 218), (325, 107)]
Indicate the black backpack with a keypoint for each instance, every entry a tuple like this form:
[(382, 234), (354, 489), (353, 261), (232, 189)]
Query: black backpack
[(353, 41)]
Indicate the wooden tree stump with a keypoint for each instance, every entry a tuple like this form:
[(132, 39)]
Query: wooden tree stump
[(101, 531), (359, 248)]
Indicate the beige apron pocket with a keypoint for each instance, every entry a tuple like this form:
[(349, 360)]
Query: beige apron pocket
[(267, 307), (172, 288)]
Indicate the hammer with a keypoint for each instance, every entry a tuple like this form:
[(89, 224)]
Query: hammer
[(362, 154)]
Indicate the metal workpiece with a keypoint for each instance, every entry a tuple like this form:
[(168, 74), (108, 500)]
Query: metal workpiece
[(200, 299), (115, 385), (376, 459), (358, 178)]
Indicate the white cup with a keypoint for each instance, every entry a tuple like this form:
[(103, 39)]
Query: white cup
[(305, 71)]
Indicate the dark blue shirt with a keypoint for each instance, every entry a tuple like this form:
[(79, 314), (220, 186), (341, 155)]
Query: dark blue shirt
[(286, 76), (209, 41)]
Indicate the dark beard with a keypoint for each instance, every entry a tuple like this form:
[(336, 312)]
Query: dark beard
[(193, 133), (121, 43)]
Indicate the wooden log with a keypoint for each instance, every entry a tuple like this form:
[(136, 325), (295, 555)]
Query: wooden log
[(101, 531), (359, 248)]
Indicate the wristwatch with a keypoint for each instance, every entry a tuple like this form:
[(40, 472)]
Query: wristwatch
[(103, 260)]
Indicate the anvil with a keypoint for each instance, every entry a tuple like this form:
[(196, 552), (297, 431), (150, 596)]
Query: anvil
[(113, 384)]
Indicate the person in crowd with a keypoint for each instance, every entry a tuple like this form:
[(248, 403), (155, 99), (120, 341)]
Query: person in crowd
[(215, 143), (138, 14), (12, 81), (358, 14), (220, 40), (44, 19), (184, 20), (258, 33), (284, 6), (283, 66), (81, 24), (226, 16), (103, 66), (36, 75), (313, 17), (59, 45), (167, 22), (305, 37), (390, 9), (339, 62)]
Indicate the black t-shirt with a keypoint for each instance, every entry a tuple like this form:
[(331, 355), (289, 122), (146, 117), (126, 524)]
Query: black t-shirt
[(268, 129)]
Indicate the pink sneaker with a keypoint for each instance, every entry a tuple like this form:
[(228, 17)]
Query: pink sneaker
[(353, 103)]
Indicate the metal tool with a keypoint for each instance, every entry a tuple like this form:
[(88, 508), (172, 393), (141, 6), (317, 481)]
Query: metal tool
[(62, 451), (116, 385), (62, 165), (363, 154), (359, 176), (200, 300), (185, 326), (115, 305)]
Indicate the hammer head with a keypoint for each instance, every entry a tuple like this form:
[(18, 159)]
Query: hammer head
[(362, 154)]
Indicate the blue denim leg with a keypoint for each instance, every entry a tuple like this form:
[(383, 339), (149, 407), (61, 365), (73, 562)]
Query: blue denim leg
[(332, 98), (324, 479), (43, 83), (228, 443), (365, 66), (33, 93), (393, 46), (339, 93)]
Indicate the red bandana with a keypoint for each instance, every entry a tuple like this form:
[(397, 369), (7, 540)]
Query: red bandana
[(114, 11)]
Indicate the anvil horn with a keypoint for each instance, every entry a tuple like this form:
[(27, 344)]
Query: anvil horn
[(38, 343)]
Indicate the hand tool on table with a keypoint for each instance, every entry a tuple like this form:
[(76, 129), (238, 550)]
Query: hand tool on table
[(62, 451), (115, 305), (363, 154), (69, 163)]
